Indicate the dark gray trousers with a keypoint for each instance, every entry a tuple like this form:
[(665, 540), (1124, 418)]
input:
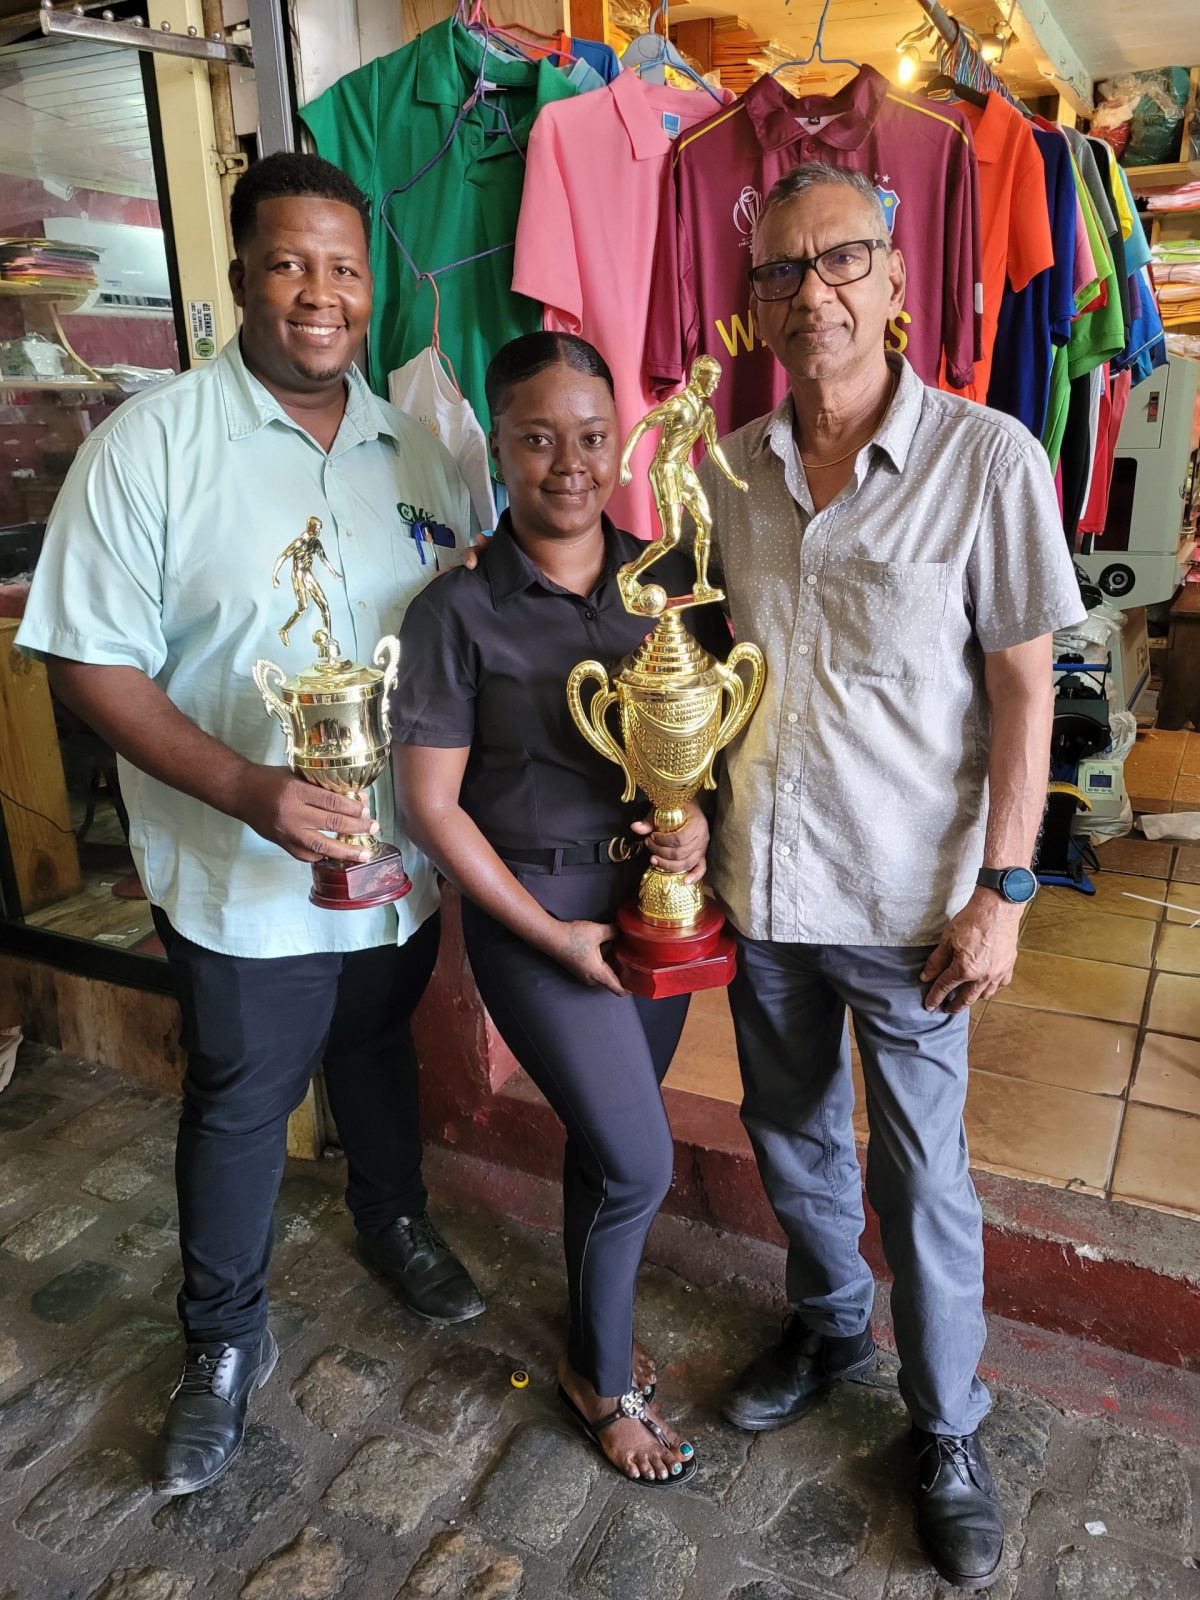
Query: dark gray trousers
[(599, 1059), (789, 1004)]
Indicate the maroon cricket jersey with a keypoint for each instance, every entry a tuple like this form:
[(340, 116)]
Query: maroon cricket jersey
[(921, 159)]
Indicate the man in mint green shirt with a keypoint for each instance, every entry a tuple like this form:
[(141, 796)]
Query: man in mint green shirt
[(151, 603)]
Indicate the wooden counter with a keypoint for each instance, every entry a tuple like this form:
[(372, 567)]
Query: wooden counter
[(34, 802)]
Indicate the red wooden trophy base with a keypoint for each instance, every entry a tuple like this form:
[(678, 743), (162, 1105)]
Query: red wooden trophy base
[(353, 885), (655, 962)]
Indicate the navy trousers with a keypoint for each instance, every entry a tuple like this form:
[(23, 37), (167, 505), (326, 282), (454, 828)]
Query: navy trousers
[(255, 1031), (599, 1060)]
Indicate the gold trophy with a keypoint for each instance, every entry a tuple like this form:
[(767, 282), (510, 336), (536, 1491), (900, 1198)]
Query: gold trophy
[(676, 705), (335, 717)]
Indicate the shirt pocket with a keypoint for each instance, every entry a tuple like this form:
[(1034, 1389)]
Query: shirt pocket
[(885, 618)]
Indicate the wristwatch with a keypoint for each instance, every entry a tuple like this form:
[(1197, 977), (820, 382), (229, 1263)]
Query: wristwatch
[(1017, 885)]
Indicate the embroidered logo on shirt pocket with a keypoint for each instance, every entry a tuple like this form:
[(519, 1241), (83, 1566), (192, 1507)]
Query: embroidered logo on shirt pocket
[(885, 616)]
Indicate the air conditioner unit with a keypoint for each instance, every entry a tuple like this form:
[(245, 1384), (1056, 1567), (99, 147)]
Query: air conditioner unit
[(132, 270)]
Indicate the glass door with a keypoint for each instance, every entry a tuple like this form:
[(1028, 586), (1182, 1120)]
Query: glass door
[(90, 313)]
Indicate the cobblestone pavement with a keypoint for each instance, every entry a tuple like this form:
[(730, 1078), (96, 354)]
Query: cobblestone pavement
[(387, 1460)]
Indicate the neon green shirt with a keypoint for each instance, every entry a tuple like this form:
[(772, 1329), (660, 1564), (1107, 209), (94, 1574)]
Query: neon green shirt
[(1096, 336), (381, 125)]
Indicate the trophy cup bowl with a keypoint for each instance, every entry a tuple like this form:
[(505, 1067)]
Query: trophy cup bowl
[(677, 708), (335, 719)]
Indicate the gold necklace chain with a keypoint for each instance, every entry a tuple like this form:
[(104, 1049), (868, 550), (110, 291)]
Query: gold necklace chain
[(819, 466)]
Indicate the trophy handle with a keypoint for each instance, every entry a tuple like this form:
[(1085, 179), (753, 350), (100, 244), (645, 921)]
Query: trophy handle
[(262, 678), (743, 697), (387, 656), (592, 722)]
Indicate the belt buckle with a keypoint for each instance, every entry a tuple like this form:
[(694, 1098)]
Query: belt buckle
[(619, 848)]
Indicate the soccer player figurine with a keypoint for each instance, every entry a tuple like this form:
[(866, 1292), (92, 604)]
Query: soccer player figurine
[(304, 549), (682, 420)]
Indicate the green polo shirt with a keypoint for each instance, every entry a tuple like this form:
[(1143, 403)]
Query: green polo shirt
[(1096, 336), (381, 125)]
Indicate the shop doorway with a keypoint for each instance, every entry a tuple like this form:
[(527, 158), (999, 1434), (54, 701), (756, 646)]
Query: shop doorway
[(92, 311)]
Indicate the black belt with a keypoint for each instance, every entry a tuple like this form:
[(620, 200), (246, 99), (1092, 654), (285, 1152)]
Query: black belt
[(602, 852)]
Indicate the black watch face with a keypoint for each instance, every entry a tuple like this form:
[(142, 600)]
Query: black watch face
[(1018, 885)]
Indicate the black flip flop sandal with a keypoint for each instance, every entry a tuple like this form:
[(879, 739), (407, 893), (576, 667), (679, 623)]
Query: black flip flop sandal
[(630, 1408)]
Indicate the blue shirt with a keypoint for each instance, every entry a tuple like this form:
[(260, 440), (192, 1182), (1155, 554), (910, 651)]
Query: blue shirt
[(1038, 317), (159, 554), (602, 58)]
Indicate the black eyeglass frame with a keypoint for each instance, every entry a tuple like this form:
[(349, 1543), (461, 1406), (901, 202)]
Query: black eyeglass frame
[(813, 263)]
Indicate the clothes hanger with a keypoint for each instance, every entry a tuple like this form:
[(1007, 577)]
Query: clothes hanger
[(481, 22), (943, 83), (436, 339), (654, 51), (816, 53)]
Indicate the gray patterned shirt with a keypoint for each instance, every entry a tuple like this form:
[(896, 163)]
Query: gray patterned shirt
[(852, 808)]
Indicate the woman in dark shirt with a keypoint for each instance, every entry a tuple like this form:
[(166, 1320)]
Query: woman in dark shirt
[(503, 792)]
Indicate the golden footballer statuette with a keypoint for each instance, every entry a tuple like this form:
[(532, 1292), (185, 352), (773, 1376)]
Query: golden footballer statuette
[(677, 706), (335, 717)]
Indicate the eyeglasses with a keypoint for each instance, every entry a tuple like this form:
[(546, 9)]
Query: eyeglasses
[(843, 263)]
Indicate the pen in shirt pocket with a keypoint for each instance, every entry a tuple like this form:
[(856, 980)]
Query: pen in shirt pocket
[(426, 531)]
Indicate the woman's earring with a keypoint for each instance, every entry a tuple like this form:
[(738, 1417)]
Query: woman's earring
[(498, 475)]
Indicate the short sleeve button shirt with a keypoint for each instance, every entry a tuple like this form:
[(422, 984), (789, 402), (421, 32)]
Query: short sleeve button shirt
[(159, 556), (852, 809)]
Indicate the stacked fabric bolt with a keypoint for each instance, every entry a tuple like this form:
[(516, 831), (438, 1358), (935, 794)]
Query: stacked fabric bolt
[(1177, 279), (1181, 199), (40, 263)]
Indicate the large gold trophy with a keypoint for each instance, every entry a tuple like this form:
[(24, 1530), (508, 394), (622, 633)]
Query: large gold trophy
[(334, 715), (677, 707)]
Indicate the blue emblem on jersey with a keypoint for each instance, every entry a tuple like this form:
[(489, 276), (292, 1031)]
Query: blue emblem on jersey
[(890, 201)]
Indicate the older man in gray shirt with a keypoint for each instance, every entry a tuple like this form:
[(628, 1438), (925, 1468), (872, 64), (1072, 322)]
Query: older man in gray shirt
[(900, 560)]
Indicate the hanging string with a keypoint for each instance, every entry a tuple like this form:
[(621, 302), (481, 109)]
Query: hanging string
[(436, 340)]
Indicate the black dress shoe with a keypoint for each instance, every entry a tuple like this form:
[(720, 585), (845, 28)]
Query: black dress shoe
[(206, 1419), (783, 1383), (416, 1260), (958, 1510)]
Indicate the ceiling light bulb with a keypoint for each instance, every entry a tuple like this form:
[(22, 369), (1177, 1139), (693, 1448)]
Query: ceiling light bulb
[(992, 46), (906, 70)]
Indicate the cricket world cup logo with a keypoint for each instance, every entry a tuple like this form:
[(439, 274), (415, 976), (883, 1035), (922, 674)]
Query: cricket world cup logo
[(745, 214)]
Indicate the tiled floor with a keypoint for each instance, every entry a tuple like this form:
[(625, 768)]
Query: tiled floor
[(1085, 1072), (1162, 771)]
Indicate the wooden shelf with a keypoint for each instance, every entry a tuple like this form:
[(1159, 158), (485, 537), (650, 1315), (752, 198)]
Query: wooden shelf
[(44, 291), (59, 385), (1170, 175)]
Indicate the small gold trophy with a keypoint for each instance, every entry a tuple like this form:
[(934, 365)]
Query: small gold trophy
[(335, 717), (671, 701)]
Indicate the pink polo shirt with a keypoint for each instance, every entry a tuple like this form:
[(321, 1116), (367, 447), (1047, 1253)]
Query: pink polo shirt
[(586, 237)]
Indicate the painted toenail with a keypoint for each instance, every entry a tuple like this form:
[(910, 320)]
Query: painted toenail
[(686, 1450), (676, 1469)]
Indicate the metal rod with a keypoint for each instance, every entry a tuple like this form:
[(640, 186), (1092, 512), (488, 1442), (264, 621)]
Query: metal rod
[(944, 23), (75, 25), (276, 121)]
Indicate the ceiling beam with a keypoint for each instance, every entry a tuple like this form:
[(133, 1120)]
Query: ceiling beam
[(1038, 29)]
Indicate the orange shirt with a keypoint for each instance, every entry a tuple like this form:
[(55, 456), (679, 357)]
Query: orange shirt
[(1015, 218)]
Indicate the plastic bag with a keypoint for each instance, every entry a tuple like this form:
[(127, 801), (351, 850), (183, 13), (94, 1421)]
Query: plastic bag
[(1122, 725), (1097, 832), (1113, 122), (1158, 100), (1090, 638), (1164, 825)]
